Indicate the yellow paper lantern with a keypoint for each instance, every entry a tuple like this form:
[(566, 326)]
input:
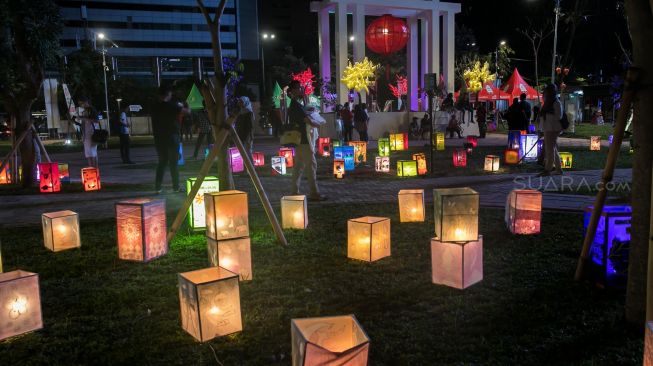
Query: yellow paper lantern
[(360, 151), (5, 175), (234, 255), (61, 230), (294, 213), (368, 238), (492, 163), (226, 215), (406, 168), (210, 303), (456, 214), (398, 141), (438, 141), (141, 225), (411, 205), (524, 211), (595, 143), (566, 159), (20, 301), (458, 265)]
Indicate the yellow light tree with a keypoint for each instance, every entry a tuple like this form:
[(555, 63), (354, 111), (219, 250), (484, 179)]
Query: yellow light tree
[(477, 76), (359, 75)]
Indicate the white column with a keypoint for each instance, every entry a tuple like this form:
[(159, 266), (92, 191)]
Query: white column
[(359, 37), (341, 49), (424, 49), (324, 44), (448, 47), (413, 72), (434, 42)]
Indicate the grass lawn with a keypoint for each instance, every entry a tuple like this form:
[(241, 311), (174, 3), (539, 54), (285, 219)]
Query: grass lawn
[(77, 146), (527, 310), (583, 131)]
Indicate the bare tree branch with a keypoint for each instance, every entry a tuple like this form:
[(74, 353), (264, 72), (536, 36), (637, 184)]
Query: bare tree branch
[(626, 54), (209, 21)]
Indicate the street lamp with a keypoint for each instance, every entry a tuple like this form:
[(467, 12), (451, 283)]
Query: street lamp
[(119, 100), (351, 38), (105, 68), (496, 57), (265, 37), (555, 41)]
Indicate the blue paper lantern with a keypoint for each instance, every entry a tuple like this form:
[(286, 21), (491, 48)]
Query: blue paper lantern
[(528, 149), (345, 153)]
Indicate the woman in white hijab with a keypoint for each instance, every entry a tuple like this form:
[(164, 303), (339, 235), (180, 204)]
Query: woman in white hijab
[(245, 124)]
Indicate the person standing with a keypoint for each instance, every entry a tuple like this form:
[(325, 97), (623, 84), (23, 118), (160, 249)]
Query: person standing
[(88, 124), (347, 122), (165, 129), (454, 126), (549, 116), (337, 123), (525, 107), (204, 130), (515, 115), (124, 137), (481, 119), (361, 121), (186, 125), (245, 124)]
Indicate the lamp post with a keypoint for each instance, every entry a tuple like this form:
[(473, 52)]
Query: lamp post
[(265, 37), (105, 68), (496, 57), (555, 41)]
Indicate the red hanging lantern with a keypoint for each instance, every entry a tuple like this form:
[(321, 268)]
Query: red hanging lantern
[(386, 35)]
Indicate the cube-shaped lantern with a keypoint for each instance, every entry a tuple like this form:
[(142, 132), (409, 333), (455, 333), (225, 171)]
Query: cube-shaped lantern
[(438, 142), (338, 168), (514, 136), (420, 158), (566, 159), (406, 168), (141, 225), (456, 214), (258, 159), (398, 141), (458, 265), (595, 143), (332, 340), (384, 146), (197, 211), (511, 156), (289, 154), (278, 165), (360, 151), (492, 163), (528, 147), (472, 140), (324, 146), (226, 215), (61, 230), (411, 205), (335, 143), (609, 250), (5, 175), (234, 255), (91, 179), (460, 158), (532, 128), (49, 177), (524, 211), (345, 153), (368, 238), (64, 173), (210, 303), (382, 164), (20, 301), (235, 160), (294, 214)]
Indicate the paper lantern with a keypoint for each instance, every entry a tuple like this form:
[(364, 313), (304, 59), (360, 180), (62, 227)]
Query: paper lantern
[(469, 148), (333, 340), (438, 141), (382, 164), (226, 215), (278, 165), (411, 205), (345, 153), (384, 146), (420, 158), (5, 175), (460, 158), (61, 230), (20, 301), (524, 211), (532, 128), (197, 211), (472, 140), (456, 214), (514, 136), (360, 151), (49, 177), (595, 143), (234, 255), (566, 159), (288, 153), (236, 160), (64, 173), (258, 159), (406, 168), (386, 35), (457, 265), (91, 179), (210, 303), (324, 146), (294, 214), (335, 143), (338, 168), (609, 250), (528, 150), (368, 238), (511, 156), (398, 141), (491, 163), (141, 225)]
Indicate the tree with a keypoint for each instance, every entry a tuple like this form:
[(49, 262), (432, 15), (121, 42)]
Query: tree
[(476, 76), (535, 35), (359, 76), (29, 42)]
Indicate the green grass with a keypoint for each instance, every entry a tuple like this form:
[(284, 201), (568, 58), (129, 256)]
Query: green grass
[(14, 190), (527, 310), (77, 146), (582, 131)]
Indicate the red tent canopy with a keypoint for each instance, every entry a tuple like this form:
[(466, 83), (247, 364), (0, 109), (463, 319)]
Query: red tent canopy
[(489, 92), (516, 85)]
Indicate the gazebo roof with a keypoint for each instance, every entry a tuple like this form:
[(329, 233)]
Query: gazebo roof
[(401, 9)]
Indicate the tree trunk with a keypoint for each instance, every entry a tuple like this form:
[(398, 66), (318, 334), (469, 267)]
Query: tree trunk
[(640, 25), (26, 148)]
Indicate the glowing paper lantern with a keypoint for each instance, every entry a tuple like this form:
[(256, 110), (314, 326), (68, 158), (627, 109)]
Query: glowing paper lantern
[(511, 156), (406, 168), (386, 34), (360, 151), (234, 255), (338, 168), (491, 163), (49, 177), (457, 265), (288, 153), (609, 250), (20, 301), (141, 225), (566, 159), (469, 148), (91, 179), (345, 153), (210, 303), (61, 230), (64, 173), (235, 160), (595, 143), (472, 140), (531, 128), (528, 150), (334, 340), (278, 165), (197, 212), (226, 215), (513, 138), (398, 141), (294, 214), (456, 214), (411, 205), (524, 211), (5, 175), (460, 158), (420, 158), (438, 141), (368, 238), (384, 146), (382, 164), (258, 159), (324, 146)]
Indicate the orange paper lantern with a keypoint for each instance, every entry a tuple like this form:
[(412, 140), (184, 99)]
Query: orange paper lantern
[(141, 225), (294, 213), (511, 156), (368, 238), (49, 177), (288, 153), (338, 168), (411, 205), (226, 215), (91, 179), (421, 163), (61, 230)]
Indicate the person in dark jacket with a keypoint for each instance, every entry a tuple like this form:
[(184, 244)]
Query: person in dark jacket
[(204, 130), (515, 115), (166, 137), (347, 122), (361, 121), (526, 111)]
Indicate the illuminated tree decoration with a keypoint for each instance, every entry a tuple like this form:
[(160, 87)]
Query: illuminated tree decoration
[(401, 88), (477, 76), (359, 75), (306, 79)]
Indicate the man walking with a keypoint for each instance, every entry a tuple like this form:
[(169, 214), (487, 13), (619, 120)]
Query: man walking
[(166, 137), (525, 107)]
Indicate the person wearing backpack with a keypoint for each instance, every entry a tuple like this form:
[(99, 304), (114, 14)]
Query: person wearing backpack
[(550, 117)]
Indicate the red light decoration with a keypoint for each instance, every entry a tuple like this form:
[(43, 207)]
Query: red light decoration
[(306, 79), (460, 158), (386, 35), (401, 88)]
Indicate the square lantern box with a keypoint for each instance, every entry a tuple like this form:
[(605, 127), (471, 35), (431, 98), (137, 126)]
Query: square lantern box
[(609, 250), (472, 140), (49, 177), (457, 265), (360, 151), (528, 149), (91, 179), (420, 158), (20, 301), (384, 146), (345, 153), (456, 214), (532, 128), (210, 303), (5, 175), (236, 160), (411, 205), (197, 211), (141, 225), (595, 143), (226, 215), (567, 160), (331, 340), (398, 141), (234, 255), (338, 168), (368, 238), (460, 158), (524, 211), (511, 156), (324, 146), (438, 141), (514, 136), (492, 163), (64, 173), (289, 154), (258, 159), (61, 230), (278, 164), (406, 168), (294, 214), (382, 164)]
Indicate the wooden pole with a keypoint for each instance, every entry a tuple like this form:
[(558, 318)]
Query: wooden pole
[(15, 147), (632, 78), (649, 279)]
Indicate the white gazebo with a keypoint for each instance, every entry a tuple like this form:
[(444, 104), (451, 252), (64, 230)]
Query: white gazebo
[(430, 14)]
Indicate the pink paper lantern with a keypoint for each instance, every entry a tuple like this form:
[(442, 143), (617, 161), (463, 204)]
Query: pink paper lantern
[(457, 265)]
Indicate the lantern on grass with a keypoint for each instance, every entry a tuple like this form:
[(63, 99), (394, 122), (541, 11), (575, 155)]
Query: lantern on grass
[(235, 160), (469, 148), (49, 177), (288, 153), (61, 230), (406, 168), (335, 143), (566, 159), (420, 158), (595, 143), (492, 163), (528, 150), (456, 214), (611, 244), (226, 215), (382, 164), (411, 205), (141, 225), (234, 255), (438, 142), (384, 146), (524, 211), (511, 156), (210, 303), (338, 168), (294, 213), (345, 153), (398, 141), (197, 212), (5, 175), (457, 265), (258, 159), (332, 340), (360, 151), (91, 179), (368, 238), (278, 165), (513, 138), (20, 301), (460, 158), (324, 146), (64, 173), (472, 140)]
